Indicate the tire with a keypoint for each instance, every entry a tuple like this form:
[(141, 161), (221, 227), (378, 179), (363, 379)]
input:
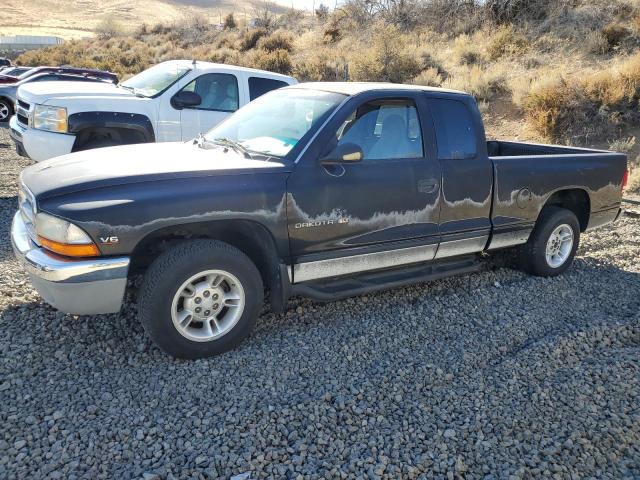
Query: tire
[(165, 299), (6, 110), (97, 143), (559, 223)]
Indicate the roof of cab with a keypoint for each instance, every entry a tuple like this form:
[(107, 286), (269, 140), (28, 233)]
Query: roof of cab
[(223, 66), (355, 88)]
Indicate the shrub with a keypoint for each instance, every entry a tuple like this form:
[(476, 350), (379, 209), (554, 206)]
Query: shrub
[(596, 43), (319, 65), (465, 52), (551, 106), (275, 61), (507, 42), (332, 34), (230, 22), (593, 106), (615, 33), (508, 11), (483, 84), (385, 61), (429, 78), (250, 38), (623, 145), (279, 40), (109, 27)]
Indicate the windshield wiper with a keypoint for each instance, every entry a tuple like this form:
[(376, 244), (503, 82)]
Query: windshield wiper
[(238, 147), (132, 90)]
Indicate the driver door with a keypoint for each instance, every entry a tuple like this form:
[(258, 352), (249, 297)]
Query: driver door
[(377, 213), (220, 98)]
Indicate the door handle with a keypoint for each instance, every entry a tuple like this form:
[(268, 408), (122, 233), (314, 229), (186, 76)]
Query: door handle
[(428, 185)]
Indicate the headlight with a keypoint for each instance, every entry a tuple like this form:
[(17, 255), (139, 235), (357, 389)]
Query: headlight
[(64, 237), (51, 119)]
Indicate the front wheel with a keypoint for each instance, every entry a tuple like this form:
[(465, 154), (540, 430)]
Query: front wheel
[(553, 243), (200, 299)]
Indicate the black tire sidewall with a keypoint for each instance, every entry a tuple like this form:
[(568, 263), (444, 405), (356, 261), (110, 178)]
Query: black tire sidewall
[(93, 144), (534, 254), (171, 270), (10, 107)]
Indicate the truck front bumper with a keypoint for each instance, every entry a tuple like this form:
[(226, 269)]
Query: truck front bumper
[(39, 145), (81, 287)]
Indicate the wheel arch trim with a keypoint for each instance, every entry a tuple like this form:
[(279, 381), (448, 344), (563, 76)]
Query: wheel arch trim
[(140, 123), (249, 236)]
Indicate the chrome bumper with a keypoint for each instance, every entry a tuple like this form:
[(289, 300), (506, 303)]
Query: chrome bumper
[(81, 287)]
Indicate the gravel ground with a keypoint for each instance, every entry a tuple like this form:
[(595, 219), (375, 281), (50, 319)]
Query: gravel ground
[(492, 375)]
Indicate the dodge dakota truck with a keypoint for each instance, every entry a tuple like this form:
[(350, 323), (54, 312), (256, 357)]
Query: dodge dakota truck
[(171, 101), (323, 190)]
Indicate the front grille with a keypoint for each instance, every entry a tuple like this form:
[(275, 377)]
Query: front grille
[(22, 112), (27, 208)]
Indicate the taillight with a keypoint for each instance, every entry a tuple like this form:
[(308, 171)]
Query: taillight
[(625, 178)]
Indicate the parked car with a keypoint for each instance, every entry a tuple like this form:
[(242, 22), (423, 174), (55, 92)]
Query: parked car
[(5, 62), (13, 71), (107, 76), (8, 92), (323, 190), (171, 101)]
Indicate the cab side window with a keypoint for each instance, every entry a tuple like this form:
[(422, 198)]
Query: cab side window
[(455, 131), (218, 91), (259, 86), (384, 130)]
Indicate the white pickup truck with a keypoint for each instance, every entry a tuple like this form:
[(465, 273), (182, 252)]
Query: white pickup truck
[(171, 101)]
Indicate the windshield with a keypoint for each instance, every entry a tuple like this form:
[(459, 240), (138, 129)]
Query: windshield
[(156, 79), (274, 123)]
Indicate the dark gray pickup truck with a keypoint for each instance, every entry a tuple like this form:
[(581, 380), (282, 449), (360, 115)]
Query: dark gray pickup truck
[(323, 190)]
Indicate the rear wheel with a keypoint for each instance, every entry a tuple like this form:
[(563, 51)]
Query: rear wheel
[(6, 110), (200, 298), (553, 243)]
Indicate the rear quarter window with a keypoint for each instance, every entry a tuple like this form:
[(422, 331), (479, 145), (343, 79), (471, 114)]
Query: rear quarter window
[(455, 131), (259, 86)]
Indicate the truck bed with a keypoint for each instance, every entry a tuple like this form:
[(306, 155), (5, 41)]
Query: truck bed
[(526, 175)]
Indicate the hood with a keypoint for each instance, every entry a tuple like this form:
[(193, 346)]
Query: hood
[(136, 163), (40, 92)]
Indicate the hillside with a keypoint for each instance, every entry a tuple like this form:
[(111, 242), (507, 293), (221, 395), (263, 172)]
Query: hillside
[(545, 70), (80, 18)]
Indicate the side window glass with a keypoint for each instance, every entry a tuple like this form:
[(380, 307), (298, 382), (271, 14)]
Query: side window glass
[(455, 131), (384, 130), (218, 91), (259, 86), (46, 78)]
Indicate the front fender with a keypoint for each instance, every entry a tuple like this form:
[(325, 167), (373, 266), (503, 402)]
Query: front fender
[(132, 121)]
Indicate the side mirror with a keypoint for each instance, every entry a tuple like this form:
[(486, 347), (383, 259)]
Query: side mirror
[(185, 99), (345, 153)]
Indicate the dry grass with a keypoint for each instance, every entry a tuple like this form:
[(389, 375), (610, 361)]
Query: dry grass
[(507, 42), (546, 70), (73, 19), (594, 104), (484, 84)]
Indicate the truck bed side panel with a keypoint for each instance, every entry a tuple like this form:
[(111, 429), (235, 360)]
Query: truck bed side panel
[(523, 184)]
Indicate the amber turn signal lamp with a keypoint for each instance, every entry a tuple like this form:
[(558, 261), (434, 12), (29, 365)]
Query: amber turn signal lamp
[(70, 250)]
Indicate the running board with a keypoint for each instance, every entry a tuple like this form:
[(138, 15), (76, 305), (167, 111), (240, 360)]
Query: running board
[(343, 287)]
